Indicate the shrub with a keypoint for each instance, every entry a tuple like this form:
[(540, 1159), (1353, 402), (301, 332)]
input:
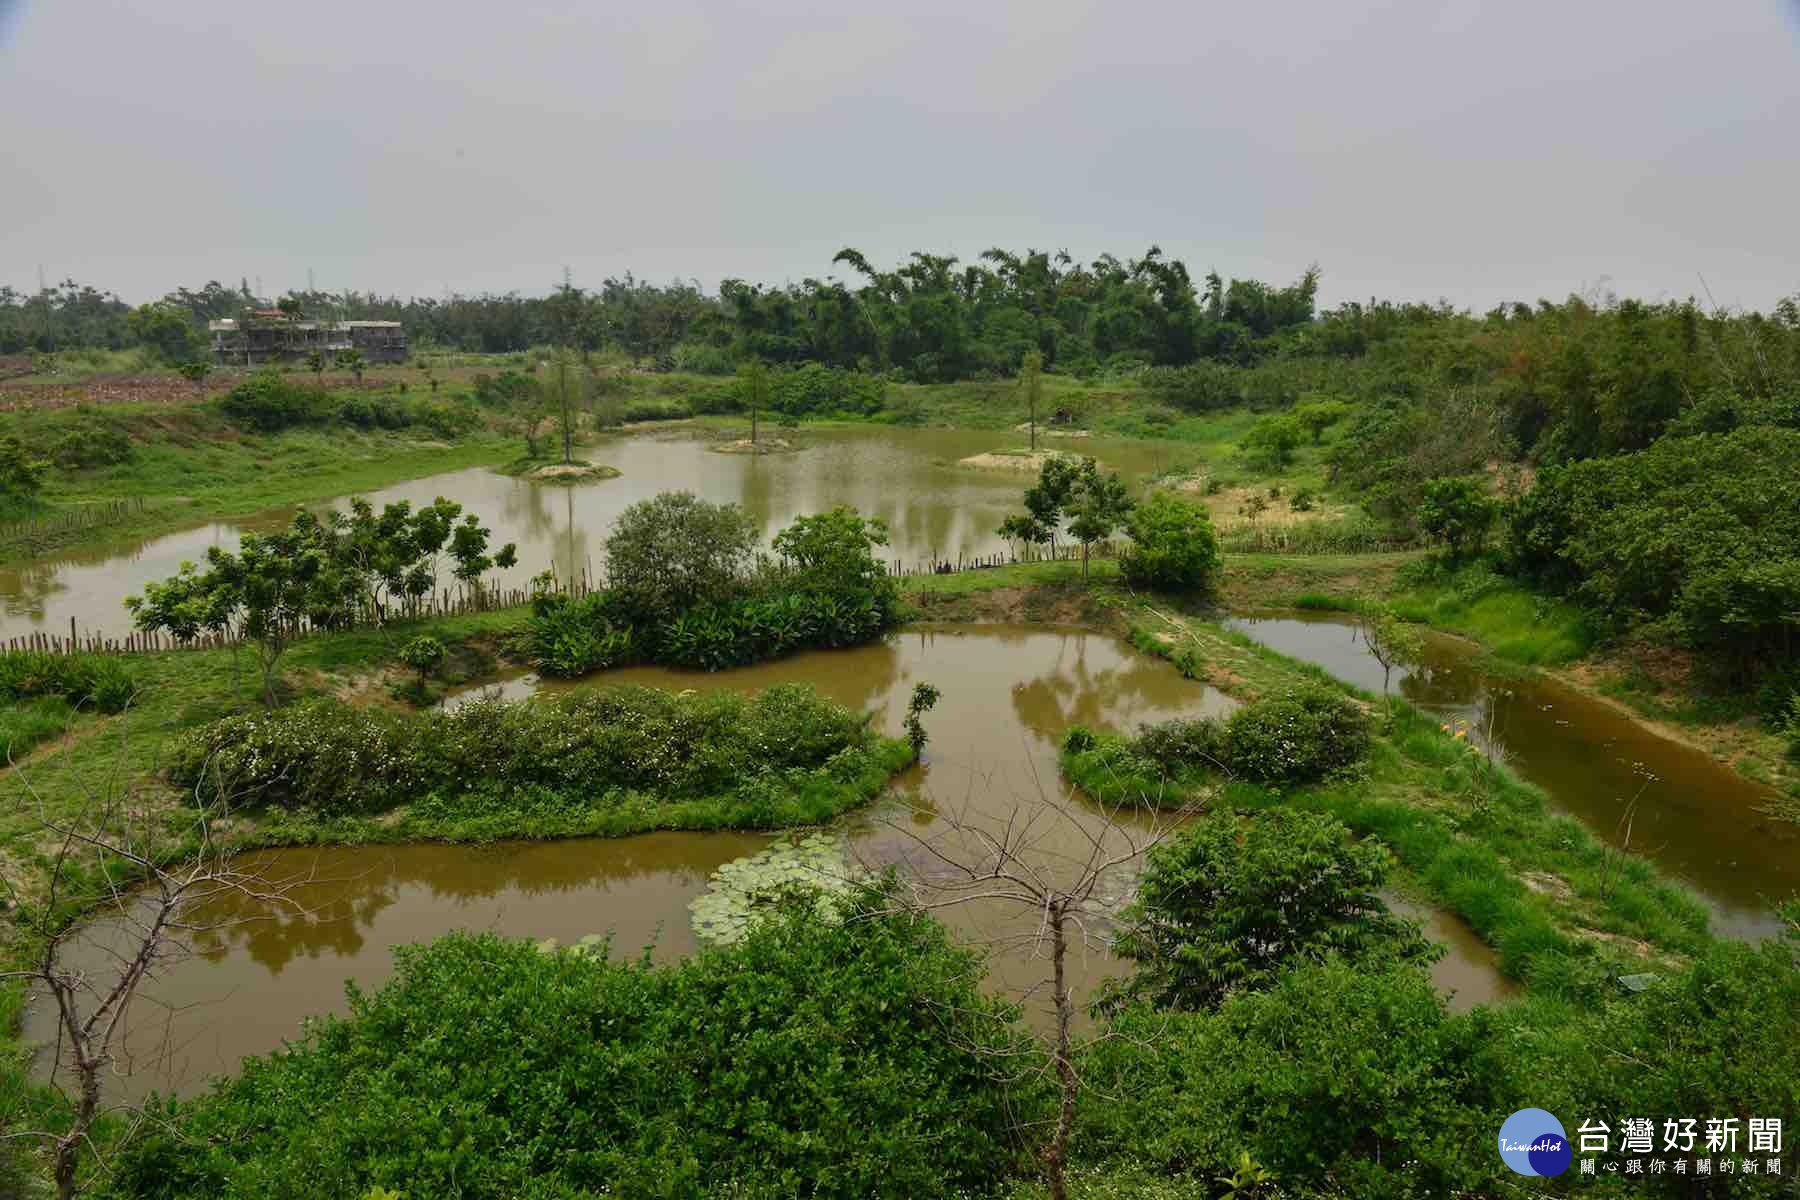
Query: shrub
[(1228, 905), (92, 444), (97, 680), (1201, 387), (585, 749), (1173, 548), (830, 1060), (1182, 743), (21, 470), (1295, 738), (1271, 442), (1340, 1080), (268, 403), (675, 551), (1459, 513)]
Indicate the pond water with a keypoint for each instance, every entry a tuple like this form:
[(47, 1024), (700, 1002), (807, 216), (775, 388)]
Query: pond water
[(908, 477), (1696, 818), (1008, 694)]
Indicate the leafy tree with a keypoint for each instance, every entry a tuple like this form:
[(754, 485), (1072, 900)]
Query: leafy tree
[(353, 362), (166, 331), (675, 550), (195, 371), (423, 654), (468, 548), (1459, 513), (567, 387), (1173, 548), (21, 470), (753, 385), (315, 362), (269, 590), (835, 551), (1229, 904), (1320, 415), (1045, 504), (1272, 441), (924, 699), (1031, 383), (1098, 505), (1391, 640)]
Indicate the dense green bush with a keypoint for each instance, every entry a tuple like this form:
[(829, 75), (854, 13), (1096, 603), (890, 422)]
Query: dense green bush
[(844, 1060), (1338, 1075), (1229, 904), (267, 402), (1172, 546), (597, 747), (91, 444), (1200, 387), (1701, 531), (682, 593), (99, 681), (1301, 736)]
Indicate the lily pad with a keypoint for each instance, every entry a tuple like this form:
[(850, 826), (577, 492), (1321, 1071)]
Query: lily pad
[(746, 890)]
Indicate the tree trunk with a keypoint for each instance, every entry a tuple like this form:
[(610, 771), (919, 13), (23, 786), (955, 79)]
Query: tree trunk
[(1084, 560), (752, 425), (1056, 1154)]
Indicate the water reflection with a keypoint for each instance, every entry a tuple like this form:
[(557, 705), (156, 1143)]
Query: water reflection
[(909, 477), (1697, 819)]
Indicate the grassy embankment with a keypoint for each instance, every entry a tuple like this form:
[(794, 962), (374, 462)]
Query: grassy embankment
[(1563, 910)]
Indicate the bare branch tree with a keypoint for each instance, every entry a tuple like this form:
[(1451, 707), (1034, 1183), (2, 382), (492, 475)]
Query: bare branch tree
[(1068, 867), (158, 883)]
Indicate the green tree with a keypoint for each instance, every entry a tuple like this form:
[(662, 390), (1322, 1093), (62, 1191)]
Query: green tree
[(1229, 904), (315, 362), (21, 470), (1031, 383), (675, 550), (924, 699), (423, 654), (1045, 504), (1272, 441), (167, 331), (1459, 513), (1172, 546), (353, 362), (753, 385), (1319, 415), (567, 386), (195, 371), (835, 551), (1392, 641), (1098, 505), (269, 591)]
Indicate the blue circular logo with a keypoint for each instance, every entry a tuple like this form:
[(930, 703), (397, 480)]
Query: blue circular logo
[(1532, 1142)]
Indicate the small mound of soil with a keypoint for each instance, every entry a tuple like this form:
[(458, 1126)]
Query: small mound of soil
[(1012, 460), (766, 445), (569, 473)]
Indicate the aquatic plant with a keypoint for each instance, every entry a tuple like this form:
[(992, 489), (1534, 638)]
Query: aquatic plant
[(813, 870)]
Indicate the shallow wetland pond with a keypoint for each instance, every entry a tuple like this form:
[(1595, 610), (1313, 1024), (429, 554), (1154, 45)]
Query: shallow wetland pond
[(1008, 694)]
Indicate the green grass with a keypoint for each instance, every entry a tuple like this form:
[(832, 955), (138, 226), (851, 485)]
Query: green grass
[(1465, 834), (26, 725), (1514, 624)]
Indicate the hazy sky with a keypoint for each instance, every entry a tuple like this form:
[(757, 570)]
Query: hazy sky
[(1475, 151)]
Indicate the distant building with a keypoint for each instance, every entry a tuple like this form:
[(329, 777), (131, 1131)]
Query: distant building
[(265, 335)]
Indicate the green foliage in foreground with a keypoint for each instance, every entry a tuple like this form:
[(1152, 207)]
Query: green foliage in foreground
[(1347, 1081), (810, 1059), (605, 760), (1230, 904), (101, 681)]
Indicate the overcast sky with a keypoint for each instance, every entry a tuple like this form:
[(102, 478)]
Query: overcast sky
[(1474, 151)]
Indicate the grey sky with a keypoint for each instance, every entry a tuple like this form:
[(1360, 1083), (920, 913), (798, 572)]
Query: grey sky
[(1475, 151)]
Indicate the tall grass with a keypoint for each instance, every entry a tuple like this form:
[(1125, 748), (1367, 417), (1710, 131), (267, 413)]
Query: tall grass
[(1324, 535)]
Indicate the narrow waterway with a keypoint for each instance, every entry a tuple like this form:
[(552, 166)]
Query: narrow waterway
[(909, 478), (1695, 817), (1008, 695)]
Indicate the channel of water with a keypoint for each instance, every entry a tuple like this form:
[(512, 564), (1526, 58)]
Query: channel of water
[(1696, 818)]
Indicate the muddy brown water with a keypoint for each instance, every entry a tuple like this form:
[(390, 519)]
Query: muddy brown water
[(908, 477), (1009, 692), (1696, 818)]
